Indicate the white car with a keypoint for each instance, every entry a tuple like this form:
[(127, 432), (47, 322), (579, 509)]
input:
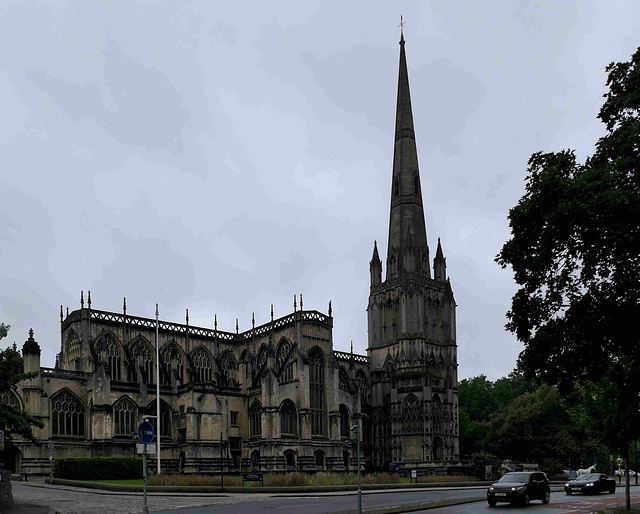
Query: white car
[(619, 472)]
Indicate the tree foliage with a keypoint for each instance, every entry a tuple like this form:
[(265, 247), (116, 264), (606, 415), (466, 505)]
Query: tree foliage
[(514, 418), (575, 254), (13, 420)]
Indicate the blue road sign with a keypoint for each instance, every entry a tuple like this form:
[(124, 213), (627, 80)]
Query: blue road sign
[(145, 432)]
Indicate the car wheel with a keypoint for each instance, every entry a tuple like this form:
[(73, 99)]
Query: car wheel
[(547, 497), (526, 500), (492, 503), (612, 489), (569, 492)]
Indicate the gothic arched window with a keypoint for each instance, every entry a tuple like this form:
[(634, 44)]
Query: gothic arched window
[(10, 398), (344, 421), (316, 390), (411, 415), (437, 448), (255, 419), (290, 459), (67, 415), (171, 359), (261, 360), (107, 349), (284, 365), (72, 350), (227, 369), (363, 386), (141, 354), (288, 418), (202, 364), (125, 416), (255, 459), (319, 458), (343, 380)]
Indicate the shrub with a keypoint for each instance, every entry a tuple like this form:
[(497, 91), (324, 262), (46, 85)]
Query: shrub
[(98, 468)]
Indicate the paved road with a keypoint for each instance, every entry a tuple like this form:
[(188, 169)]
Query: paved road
[(69, 500), (560, 503)]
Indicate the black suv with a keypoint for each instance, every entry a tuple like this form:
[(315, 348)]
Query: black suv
[(520, 487)]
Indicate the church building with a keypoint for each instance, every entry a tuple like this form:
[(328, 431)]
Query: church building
[(276, 397)]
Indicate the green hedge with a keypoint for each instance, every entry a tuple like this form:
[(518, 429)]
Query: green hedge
[(98, 468)]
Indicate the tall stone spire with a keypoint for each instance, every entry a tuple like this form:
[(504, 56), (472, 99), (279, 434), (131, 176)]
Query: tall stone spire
[(408, 250)]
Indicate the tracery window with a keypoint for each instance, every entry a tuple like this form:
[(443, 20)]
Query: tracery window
[(343, 380), (228, 368), (363, 387), (141, 354), (72, 350), (125, 415), (261, 360), (319, 458), (284, 366), (288, 418), (255, 419), (316, 386), (107, 349), (10, 398), (172, 361), (67, 415), (411, 415), (344, 421), (202, 364)]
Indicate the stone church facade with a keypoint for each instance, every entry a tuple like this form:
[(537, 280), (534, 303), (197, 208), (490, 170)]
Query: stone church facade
[(275, 397)]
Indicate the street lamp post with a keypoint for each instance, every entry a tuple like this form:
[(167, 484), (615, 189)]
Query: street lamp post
[(356, 429)]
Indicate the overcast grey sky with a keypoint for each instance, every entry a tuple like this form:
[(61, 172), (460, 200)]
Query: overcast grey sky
[(223, 156)]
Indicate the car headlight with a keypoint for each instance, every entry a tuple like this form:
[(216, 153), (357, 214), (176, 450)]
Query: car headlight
[(589, 485), (491, 488), (519, 488), (566, 485)]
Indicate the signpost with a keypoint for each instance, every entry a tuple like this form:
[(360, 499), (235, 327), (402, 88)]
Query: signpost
[(356, 429), (145, 434), (50, 462)]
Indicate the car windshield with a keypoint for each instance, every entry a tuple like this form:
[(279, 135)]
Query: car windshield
[(588, 478), (521, 478)]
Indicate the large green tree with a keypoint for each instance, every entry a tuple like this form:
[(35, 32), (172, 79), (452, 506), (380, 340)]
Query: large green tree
[(575, 254), (13, 420), (480, 401)]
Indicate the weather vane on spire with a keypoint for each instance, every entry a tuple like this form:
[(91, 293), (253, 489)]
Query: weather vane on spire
[(401, 25)]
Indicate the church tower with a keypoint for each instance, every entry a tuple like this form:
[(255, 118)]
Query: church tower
[(411, 324)]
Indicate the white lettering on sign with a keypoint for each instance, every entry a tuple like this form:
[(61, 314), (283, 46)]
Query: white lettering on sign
[(150, 450)]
